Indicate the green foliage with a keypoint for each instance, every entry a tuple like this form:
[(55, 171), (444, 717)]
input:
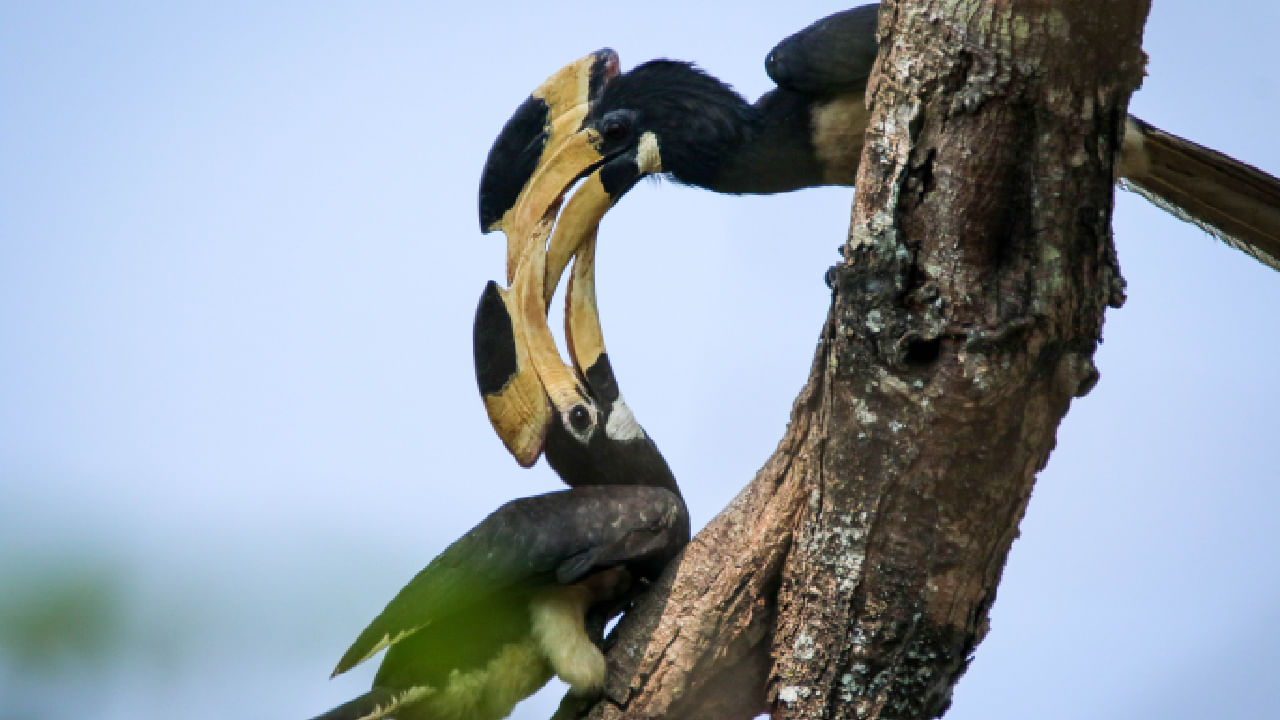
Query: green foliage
[(59, 614)]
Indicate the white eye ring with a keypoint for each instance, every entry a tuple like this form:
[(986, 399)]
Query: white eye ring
[(580, 421)]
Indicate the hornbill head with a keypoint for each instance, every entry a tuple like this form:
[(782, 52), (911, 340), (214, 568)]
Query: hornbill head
[(662, 116), (607, 131), (534, 136), (805, 132), (580, 421)]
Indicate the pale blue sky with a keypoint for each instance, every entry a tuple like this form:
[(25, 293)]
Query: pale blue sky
[(238, 264)]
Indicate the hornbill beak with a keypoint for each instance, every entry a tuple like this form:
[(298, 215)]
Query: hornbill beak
[(521, 375), (513, 397), (515, 189), (581, 217)]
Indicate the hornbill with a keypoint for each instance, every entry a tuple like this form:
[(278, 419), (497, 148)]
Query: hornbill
[(526, 592), (808, 132)]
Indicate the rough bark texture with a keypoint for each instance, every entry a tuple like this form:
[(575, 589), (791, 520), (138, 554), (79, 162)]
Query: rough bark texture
[(852, 578)]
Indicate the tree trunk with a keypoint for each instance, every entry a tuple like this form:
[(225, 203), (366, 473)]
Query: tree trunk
[(853, 576)]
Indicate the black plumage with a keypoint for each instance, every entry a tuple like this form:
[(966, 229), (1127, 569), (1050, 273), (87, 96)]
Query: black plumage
[(832, 56)]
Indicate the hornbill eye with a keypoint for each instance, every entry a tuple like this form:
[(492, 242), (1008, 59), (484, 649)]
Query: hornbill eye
[(615, 127), (579, 418)]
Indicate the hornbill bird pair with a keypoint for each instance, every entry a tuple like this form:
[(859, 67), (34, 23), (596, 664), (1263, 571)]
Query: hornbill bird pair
[(526, 593), (521, 596), (808, 131)]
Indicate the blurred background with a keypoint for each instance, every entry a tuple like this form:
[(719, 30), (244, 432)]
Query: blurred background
[(239, 257)]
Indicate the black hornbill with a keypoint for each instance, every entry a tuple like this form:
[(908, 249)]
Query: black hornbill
[(525, 593), (808, 132)]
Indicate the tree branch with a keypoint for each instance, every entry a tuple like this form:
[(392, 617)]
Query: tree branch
[(853, 576)]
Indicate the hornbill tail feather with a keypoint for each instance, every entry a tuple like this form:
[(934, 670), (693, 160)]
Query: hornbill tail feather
[(1231, 200)]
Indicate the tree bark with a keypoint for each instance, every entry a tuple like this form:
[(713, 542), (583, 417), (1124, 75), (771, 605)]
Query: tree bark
[(853, 576)]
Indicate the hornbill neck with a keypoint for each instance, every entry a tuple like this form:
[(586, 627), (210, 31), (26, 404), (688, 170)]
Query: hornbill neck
[(628, 459), (616, 449), (778, 155), (709, 136)]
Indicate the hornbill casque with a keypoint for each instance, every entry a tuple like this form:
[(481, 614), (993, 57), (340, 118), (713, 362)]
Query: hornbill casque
[(526, 593), (808, 132)]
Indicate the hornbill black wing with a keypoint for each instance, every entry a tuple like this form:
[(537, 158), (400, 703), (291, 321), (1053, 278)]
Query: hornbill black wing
[(833, 55), (489, 620), (1229, 199), (559, 537)]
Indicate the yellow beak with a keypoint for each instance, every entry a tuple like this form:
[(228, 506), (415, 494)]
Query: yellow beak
[(544, 132), (537, 369)]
